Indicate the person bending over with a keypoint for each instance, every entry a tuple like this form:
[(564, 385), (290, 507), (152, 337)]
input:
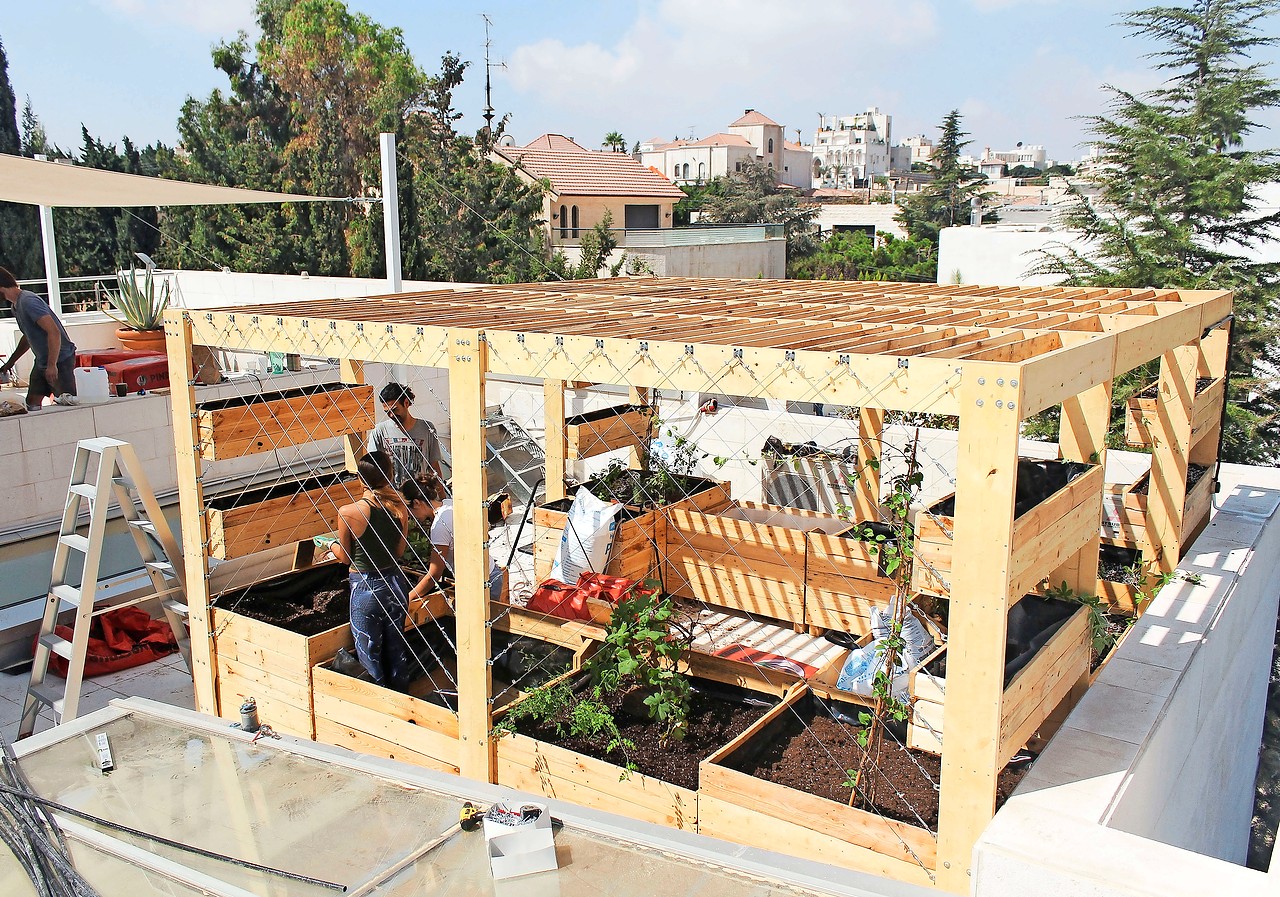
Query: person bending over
[(421, 496), (371, 539), (442, 569), (42, 333)]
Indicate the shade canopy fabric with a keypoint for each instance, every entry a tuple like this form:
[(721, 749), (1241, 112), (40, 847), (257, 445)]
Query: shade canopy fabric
[(38, 183)]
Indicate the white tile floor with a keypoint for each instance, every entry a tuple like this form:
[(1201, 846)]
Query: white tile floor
[(164, 680)]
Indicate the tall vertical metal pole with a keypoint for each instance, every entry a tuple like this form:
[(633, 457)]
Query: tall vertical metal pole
[(50, 255), (391, 212)]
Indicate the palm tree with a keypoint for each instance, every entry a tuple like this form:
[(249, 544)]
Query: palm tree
[(615, 141)]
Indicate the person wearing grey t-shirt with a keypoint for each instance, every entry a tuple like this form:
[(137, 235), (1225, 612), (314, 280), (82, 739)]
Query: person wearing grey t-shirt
[(412, 444), (42, 333)]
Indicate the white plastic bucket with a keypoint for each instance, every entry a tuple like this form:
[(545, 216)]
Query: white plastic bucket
[(91, 385)]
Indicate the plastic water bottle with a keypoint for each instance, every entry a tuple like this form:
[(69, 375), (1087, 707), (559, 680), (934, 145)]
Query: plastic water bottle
[(92, 386)]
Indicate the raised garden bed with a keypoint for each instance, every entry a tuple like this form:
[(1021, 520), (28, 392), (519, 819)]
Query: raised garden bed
[(267, 637), (246, 425), (264, 518), (607, 429), (1120, 577), (663, 786), (1047, 653), (1124, 519), (779, 787), (1056, 512), (639, 532), (844, 579), (1206, 412)]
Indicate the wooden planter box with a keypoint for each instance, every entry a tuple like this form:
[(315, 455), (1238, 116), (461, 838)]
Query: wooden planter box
[(1124, 520), (1206, 412), (368, 718), (843, 581), (271, 664), (541, 768), (246, 425), (1044, 537), (1033, 693), (636, 541), (597, 432), (747, 557), (276, 515), (741, 808)]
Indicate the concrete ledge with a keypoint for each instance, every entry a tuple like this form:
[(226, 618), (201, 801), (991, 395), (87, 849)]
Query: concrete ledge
[(1148, 787)]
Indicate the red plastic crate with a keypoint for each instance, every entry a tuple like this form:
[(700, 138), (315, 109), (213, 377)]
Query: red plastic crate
[(94, 358), (148, 372)]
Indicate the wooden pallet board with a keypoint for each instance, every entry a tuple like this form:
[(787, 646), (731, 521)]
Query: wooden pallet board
[(250, 526), (263, 423), (843, 582)]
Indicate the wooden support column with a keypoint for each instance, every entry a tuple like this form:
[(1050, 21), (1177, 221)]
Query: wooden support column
[(866, 490), (553, 415), (1213, 363), (194, 561), (352, 374), (1083, 437), (987, 467), (1171, 435), (640, 395), (467, 365)]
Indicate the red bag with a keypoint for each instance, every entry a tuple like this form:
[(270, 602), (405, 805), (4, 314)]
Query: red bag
[(119, 639), (559, 599)]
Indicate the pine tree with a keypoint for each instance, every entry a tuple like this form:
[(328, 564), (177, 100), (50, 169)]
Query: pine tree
[(19, 240), (947, 201), (1176, 202)]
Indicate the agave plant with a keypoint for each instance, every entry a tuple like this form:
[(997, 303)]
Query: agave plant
[(139, 305)]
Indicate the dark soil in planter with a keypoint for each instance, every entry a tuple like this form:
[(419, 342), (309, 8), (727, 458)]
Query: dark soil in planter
[(645, 489), (809, 750), (307, 602), (243, 401), (1153, 391), (1117, 563), (1032, 622), (719, 714), (588, 417), (1036, 481), (1194, 473), (280, 490)]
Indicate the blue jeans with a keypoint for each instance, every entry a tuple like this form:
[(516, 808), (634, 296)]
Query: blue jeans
[(379, 604)]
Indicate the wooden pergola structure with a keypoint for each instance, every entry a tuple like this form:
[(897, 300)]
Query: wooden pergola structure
[(991, 357)]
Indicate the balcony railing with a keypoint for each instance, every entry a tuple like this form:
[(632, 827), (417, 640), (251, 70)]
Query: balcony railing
[(694, 235)]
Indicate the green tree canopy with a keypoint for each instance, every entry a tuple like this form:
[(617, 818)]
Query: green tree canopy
[(19, 245), (1177, 203), (752, 196), (946, 202), (856, 255)]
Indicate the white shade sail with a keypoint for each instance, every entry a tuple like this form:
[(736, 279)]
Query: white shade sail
[(55, 184)]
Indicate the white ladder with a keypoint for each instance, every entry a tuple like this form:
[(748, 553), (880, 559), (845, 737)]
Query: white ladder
[(118, 475)]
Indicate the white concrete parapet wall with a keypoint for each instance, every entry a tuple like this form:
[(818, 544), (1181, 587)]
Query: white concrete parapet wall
[(1148, 788)]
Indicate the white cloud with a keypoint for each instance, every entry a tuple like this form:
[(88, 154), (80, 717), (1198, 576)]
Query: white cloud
[(680, 63), (217, 17)]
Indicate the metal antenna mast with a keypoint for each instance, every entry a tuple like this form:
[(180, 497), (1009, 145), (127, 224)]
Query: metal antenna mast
[(488, 67)]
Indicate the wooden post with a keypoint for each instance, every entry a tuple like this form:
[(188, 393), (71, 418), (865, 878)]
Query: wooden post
[(177, 329), (866, 490), (1213, 363), (1171, 435), (352, 374), (467, 364), (1083, 437), (986, 472), (640, 395), (553, 415)]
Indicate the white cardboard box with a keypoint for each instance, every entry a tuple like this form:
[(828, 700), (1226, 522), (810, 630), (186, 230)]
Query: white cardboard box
[(521, 849)]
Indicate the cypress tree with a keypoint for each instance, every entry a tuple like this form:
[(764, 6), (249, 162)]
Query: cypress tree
[(19, 242)]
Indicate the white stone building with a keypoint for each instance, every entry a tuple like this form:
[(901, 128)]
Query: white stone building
[(852, 148), (754, 136)]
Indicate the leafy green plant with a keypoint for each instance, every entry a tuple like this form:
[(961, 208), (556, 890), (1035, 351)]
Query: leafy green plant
[(141, 307), (1102, 633)]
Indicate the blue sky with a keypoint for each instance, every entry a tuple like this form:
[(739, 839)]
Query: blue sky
[(1019, 70)]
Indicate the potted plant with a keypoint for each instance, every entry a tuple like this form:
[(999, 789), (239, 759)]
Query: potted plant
[(141, 312)]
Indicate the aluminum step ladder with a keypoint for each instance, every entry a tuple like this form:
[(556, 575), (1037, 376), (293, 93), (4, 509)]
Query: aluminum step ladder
[(104, 469), (521, 460)]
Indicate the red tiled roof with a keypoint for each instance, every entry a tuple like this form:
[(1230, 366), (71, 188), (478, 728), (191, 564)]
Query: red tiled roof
[(722, 140), (582, 172), (787, 144), (557, 142), (752, 117)]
